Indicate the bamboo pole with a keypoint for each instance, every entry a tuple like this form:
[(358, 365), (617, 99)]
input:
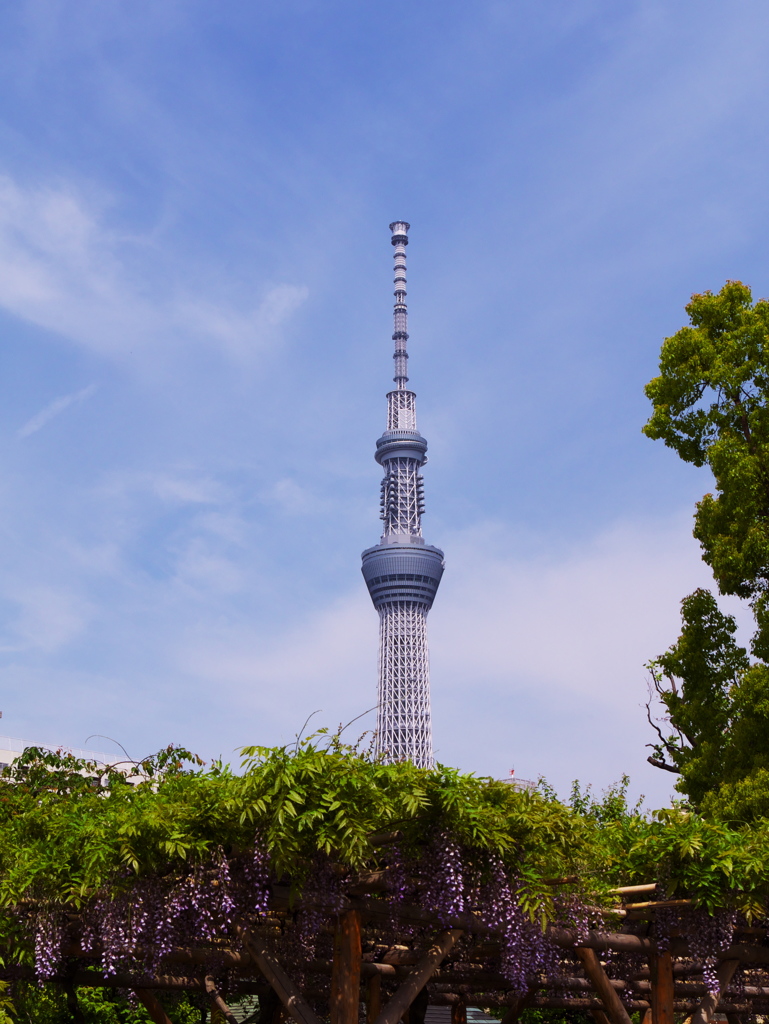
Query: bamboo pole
[(418, 978), (662, 988), (654, 904), (611, 1001), (345, 970)]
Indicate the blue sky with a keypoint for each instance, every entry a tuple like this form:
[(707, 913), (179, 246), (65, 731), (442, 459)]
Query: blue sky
[(195, 305)]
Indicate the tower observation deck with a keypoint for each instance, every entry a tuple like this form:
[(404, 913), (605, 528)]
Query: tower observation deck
[(402, 573)]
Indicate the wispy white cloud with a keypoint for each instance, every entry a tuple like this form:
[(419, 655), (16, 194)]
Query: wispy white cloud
[(582, 621), (291, 497), (181, 486), (244, 334), (47, 618), (331, 651), (55, 408), (64, 268)]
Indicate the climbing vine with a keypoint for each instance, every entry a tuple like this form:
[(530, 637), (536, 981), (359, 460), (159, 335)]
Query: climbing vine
[(129, 863)]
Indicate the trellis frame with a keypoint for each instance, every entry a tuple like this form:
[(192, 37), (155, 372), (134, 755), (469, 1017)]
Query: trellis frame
[(435, 972)]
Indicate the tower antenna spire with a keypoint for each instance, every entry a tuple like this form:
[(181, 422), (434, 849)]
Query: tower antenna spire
[(402, 573), (400, 240)]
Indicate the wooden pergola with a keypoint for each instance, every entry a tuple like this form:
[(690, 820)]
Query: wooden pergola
[(451, 964)]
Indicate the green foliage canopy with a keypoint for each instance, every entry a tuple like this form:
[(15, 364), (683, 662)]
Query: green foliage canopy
[(71, 832), (711, 405)]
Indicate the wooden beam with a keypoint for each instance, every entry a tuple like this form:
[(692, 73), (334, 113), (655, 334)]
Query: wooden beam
[(216, 1001), (293, 1000), (597, 975), (599, 1016), (345, 970), (368, 881), (662, 988), (556, 1003), (99, 979), (383, 838), (383, 970), (150, 1003), (418, 978), (707, 1008), (567, 938)]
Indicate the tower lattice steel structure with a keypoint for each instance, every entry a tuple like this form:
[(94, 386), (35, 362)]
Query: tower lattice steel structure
[(402, 573)]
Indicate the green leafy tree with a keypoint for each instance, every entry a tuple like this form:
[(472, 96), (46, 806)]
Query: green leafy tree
[(711, 405), (700, 681)]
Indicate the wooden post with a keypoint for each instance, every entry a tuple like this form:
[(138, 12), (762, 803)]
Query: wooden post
[(459, 1011), (662, 994), (707, 1008), (374, 1000), (600, 1017), (345, 970), (150, 1003), (418, 978), (600, 982), (647, 1017)]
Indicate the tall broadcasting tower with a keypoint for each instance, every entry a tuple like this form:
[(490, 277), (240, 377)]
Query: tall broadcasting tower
[(402, 573)]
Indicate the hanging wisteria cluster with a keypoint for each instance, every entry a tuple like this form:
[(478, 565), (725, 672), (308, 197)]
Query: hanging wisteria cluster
[(137, 924), (708, 935), (322, 899), (449, 881), (140, 921), (525, 949), (443, 876)]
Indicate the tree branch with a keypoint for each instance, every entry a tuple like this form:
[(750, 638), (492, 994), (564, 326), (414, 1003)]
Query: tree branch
[(662, 764), (670, 747)]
